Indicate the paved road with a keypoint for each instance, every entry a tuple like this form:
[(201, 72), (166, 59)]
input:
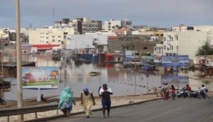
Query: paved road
[(179, 110)]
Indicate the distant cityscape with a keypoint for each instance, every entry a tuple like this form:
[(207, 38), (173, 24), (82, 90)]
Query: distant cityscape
[(81, 33)]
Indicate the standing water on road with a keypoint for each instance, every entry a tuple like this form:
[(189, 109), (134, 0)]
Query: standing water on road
[(121, 81)]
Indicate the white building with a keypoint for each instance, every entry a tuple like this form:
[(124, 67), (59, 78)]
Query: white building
[(81, 42), (108, 33), (180, 28), (203, 28), (112, 24), (183, 42), (192, 28)]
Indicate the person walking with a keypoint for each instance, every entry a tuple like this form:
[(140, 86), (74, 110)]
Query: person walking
[(87, 100), (66, 101), (166, 91), (43, 99), (105, 99), (173, 92), (203, 90), (163, 89)]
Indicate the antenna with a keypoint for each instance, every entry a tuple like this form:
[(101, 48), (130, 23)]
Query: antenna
[(53, 16)]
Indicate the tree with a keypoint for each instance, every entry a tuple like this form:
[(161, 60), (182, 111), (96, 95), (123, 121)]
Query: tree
[(53, 74), (205, 49)]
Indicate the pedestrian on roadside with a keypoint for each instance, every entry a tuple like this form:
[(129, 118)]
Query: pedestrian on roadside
[(173, 92), (66, 101), (87, 101), (203, 90), (163, 89), (166, 91), (105, 99), (43, 99)]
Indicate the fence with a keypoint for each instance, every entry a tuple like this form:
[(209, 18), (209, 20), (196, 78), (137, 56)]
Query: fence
[(26, 110)]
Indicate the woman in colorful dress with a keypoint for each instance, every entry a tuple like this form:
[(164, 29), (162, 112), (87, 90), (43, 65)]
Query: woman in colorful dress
[(66, 101)]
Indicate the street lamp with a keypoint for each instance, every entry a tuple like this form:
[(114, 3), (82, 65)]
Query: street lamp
[(19, 66)]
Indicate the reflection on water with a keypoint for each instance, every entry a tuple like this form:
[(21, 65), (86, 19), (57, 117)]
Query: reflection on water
[(122, 82)]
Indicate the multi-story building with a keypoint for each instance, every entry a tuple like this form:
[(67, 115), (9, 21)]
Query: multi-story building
[(183, 42), (112, 24), (192, 28), (46, 38), (127, 23), (80, 25)]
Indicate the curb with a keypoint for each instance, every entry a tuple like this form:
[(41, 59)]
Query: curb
[(97, 109)]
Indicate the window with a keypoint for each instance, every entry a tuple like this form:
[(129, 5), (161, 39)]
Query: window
[(59, 40), (53, 40), (164, 38), (145, 48), (176, 37)]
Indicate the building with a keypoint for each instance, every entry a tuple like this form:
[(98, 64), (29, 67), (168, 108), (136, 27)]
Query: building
[(81, 43), (4, 34), (80, 25), (183, 42), (127, 23), (46, 38), (112, 24), (192, 28), (123, 31)]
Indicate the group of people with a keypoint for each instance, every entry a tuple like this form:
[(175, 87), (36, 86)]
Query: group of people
[(87, 100), (166, 91)]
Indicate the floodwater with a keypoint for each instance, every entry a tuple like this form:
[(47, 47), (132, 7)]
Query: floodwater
[(121, 81)]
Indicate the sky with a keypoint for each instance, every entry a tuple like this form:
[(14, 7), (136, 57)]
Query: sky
[(159, 13)]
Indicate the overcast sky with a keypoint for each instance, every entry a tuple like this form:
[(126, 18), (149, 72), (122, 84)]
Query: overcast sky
[(160, 13)]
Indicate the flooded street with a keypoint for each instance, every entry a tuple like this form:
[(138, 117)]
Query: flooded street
[(122, 81)]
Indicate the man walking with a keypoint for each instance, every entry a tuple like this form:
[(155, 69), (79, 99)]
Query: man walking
[(105, 99)]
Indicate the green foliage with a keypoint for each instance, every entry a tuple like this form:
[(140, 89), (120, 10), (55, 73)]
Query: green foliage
[(205, 49)]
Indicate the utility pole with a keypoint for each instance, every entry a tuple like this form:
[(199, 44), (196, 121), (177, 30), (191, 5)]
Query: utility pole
[(65, 71), (19, 66)]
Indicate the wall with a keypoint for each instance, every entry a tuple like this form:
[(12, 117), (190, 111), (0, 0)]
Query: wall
[(85, 41), (190, 41)]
